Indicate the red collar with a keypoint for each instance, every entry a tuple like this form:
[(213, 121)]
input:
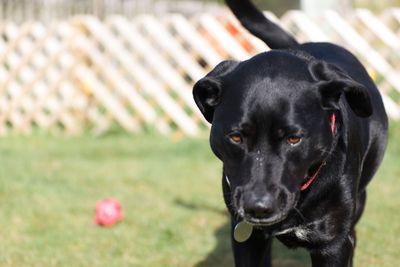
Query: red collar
[(312, 178)]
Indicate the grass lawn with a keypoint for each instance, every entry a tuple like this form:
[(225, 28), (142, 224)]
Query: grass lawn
[(171, 195)]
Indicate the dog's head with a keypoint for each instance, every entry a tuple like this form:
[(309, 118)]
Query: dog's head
[(271, 127)]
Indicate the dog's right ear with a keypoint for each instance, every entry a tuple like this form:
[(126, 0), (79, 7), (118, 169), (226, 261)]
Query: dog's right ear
[(207, 91), (333, 82)]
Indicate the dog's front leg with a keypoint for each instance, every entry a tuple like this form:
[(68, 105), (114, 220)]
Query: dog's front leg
[(254, 252), (339, 254)]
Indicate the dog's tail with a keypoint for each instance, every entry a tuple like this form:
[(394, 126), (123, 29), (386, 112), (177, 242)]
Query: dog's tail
[(255, 22)]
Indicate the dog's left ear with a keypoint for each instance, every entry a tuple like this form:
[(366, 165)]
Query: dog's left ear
[(332, 82), (207, 91)]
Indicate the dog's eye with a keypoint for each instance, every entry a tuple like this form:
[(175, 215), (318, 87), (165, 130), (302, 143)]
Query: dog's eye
[(293, 140), (236, 138)]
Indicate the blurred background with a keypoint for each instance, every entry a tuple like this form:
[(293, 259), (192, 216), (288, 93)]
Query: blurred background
[(96, 102)]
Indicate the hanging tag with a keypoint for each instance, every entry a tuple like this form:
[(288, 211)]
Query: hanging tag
[(242, 231)]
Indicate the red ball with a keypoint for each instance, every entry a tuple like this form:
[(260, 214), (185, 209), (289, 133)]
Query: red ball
[(108, 212)]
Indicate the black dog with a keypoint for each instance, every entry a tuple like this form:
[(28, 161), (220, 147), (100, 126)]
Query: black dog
[(301, 130)]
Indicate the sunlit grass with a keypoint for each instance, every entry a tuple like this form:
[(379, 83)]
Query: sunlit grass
[(171, 195)]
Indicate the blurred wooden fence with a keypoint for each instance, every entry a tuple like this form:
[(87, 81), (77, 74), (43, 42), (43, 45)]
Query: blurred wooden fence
[(84, 74), (54, 10)]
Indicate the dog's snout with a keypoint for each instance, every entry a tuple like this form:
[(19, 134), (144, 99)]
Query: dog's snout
[(259, 208), (263, 206)]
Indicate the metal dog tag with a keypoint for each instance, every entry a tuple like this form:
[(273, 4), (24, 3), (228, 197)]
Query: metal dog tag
[(242, 231)]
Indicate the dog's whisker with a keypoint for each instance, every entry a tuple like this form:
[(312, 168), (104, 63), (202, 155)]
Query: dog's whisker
[(300, 214)]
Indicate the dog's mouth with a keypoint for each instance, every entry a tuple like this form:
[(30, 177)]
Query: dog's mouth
[(261, 222)]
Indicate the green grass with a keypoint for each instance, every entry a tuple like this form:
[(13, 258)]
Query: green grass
[(170, 192)]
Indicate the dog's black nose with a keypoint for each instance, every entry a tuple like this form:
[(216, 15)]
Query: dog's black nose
[(260, 208)]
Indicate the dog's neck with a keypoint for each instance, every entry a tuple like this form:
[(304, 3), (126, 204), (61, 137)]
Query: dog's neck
[(305, 185)]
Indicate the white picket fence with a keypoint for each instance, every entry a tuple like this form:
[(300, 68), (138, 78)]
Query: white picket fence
[(84, 74)]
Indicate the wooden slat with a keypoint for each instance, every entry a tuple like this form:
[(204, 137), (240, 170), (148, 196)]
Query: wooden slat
[(194, 38), (161, 66), (104, 95), (143, 78), (160, 35), (223, 37), (381, 31), (357, 43)]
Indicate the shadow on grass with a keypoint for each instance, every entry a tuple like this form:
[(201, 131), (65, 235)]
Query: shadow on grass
[(222, 255)]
